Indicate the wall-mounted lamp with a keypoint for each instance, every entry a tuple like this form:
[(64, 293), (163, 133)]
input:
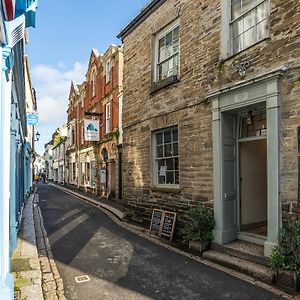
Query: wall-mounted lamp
[(37, 136)]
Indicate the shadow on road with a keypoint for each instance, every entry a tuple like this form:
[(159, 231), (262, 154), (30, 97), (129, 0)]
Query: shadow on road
[(122, 265)]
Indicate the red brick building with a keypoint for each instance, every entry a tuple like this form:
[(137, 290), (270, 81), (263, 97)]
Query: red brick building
[(94, 166)]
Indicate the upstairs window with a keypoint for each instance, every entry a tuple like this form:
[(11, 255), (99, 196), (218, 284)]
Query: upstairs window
[(108, 71), (249, 23), (107, 121), (94, 84), (167, 52)]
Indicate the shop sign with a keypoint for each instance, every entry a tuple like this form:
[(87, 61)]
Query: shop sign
[(32, 119), (91, 130)]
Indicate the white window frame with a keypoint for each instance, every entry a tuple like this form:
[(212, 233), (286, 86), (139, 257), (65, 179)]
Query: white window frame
[(156, 159), (120, 119), (159, 36), (82, 133), (107, 117), (73, 171), (242, 16), (226, 28), (108, 66), (94, 83)]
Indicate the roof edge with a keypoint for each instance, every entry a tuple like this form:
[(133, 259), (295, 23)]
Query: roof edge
[(141, 17)]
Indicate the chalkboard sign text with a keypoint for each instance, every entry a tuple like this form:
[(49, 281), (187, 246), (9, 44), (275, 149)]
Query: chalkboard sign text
[(156, 220)]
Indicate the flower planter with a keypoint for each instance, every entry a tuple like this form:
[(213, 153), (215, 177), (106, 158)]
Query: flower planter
[(199, 246), (287, 279)]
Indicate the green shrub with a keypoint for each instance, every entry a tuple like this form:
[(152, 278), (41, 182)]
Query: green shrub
[(201, 224), (286, 256)]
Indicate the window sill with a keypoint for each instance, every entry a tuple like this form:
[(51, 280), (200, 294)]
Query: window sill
[(166, 189), (155, 86)]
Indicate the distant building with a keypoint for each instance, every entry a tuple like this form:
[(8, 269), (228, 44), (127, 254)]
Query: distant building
[(48, 156), (94, 166), (58, 150), (39, 164)]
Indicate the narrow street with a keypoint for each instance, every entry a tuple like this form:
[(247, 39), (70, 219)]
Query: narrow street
[(123, 265)]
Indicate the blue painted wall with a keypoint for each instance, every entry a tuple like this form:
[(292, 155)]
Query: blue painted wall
[(14, 158)]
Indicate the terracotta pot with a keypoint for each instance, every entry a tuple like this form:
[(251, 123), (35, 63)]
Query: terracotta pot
[(199, 246), (288, 279)]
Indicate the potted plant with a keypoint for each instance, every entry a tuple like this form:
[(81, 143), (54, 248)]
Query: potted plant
[(200, 228), (285, 258)]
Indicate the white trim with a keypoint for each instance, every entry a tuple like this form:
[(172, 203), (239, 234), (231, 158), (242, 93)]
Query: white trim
[(154, 158), (108, 66), (157, 37), (94, 76), (226, 34), (107, 118)]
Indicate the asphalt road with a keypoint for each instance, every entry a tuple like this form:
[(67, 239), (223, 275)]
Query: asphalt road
[(122, 265)]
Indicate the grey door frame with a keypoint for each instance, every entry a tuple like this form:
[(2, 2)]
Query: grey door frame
[(241, 96)]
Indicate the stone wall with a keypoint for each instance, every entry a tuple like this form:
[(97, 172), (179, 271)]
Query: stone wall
[(202, 71)]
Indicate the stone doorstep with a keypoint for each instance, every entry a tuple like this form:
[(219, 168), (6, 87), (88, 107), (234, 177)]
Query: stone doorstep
[(244, 250), (247, 267)]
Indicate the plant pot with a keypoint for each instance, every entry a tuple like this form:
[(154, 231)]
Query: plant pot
[(199, 246), (288, 279)]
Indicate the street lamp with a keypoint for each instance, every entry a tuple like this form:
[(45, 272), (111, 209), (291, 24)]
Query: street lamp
[(37, 136)]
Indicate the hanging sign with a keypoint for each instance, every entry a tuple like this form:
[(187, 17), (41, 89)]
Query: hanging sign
[(32, 119), (91, 130)]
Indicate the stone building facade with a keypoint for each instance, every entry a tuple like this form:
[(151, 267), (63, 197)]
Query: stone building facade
[(94, 166), (211, 111)]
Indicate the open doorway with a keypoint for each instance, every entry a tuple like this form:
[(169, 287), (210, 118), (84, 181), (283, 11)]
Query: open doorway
[(253, 185)]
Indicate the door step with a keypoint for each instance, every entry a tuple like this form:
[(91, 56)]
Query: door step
[(244, 250), (255, 270)]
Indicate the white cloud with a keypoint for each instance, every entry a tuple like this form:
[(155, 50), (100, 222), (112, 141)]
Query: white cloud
[(52, 87)]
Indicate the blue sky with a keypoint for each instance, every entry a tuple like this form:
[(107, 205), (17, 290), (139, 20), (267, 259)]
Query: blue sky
[(59, 48)]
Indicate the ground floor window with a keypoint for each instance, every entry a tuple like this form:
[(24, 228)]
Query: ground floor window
[(88, 173), (166, 158), (73, 171), (82, 171)]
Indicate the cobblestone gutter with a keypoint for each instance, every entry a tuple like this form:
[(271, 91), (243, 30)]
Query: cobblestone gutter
[(33, 266), (52, 283)]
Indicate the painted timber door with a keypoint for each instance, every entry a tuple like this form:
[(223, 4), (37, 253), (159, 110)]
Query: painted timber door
[(229, 177)]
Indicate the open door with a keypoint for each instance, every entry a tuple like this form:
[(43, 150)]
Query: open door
[(229, 177)]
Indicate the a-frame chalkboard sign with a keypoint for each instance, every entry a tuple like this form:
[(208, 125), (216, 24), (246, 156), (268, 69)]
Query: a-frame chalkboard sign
[(168, 224), (156, 220), (163, 223)]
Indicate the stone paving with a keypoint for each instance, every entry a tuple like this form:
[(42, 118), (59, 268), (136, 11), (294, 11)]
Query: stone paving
[(25, 261), (33, 266)]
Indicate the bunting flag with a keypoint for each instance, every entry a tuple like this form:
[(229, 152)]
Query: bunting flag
[(9, 8)]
